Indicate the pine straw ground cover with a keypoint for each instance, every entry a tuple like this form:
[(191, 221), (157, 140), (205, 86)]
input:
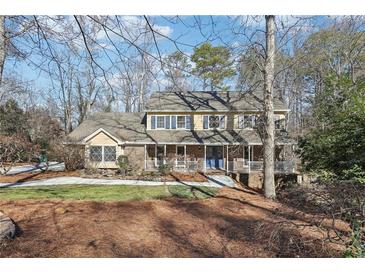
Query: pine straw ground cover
[(233, 223), (174, 176)]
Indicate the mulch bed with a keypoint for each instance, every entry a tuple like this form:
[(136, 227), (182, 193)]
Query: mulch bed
[(31, 176)]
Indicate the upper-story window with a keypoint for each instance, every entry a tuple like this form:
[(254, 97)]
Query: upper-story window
[(279, 122), (246, 121), (214, 121), (160, 122), (181, 122), (170, 122)]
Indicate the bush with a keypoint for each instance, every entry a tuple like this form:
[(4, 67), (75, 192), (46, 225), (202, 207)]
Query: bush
[(73, 156), (355, 173), (123, 164), (15, 149), (164, 169)]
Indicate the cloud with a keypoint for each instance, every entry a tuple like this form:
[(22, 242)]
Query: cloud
[(135, 28)]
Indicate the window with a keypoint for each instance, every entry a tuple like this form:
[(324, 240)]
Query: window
[(110, 154), (170, 122), (180, 121), (96, 153), (160, 121), (279, 122), (246, 121), (214, 122), (103, 153)]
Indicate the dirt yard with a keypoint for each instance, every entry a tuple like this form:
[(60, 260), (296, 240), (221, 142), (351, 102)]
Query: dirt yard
[(235, 223)]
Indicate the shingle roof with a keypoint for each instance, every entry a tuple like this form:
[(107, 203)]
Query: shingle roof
[(130, 128), (208, 101), (125, 126)]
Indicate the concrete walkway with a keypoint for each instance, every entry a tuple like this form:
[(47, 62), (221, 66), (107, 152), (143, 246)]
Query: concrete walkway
[(213, 181)]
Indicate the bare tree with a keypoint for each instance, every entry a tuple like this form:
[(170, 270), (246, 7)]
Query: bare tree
[(269, 126), (2, 46)]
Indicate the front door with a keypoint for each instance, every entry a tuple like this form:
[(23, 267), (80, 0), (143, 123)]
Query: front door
[(214, 157)]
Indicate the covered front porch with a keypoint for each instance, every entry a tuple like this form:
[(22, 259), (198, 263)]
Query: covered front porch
[(213, 157)]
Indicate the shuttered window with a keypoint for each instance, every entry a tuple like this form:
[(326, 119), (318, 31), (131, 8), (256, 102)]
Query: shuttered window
[(171, 122), (180, 120), (160, 122)]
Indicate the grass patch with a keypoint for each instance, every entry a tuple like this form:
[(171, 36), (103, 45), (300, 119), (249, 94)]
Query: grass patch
[(106, 193)]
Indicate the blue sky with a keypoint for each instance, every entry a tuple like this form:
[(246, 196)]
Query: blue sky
[(187, 31)]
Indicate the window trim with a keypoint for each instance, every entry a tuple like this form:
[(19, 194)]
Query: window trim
[(215, 128), (280, 122), (177, 123), (171, 122), (95, 161), (103, 153), (164, 122), (253, 123)]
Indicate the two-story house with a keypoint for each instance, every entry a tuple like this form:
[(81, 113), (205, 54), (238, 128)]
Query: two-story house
[(192, 131)]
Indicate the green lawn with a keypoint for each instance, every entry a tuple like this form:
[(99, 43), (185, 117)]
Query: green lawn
[(107, 193)]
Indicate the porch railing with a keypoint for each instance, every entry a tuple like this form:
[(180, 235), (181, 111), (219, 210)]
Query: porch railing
[(247, 166), (184, 166), (239, 165)]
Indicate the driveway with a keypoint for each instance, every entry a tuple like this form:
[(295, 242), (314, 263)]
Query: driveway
[(213, 181), (53, 166)]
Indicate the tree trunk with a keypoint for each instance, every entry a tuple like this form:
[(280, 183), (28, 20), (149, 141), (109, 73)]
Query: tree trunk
[(269, 130), (2, 46)]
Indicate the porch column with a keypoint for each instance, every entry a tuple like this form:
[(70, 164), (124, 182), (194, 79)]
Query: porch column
[(205, 158), (155, 155), (185, 162), (249, 159), (145, 157), (227, 160), (164, 154)]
